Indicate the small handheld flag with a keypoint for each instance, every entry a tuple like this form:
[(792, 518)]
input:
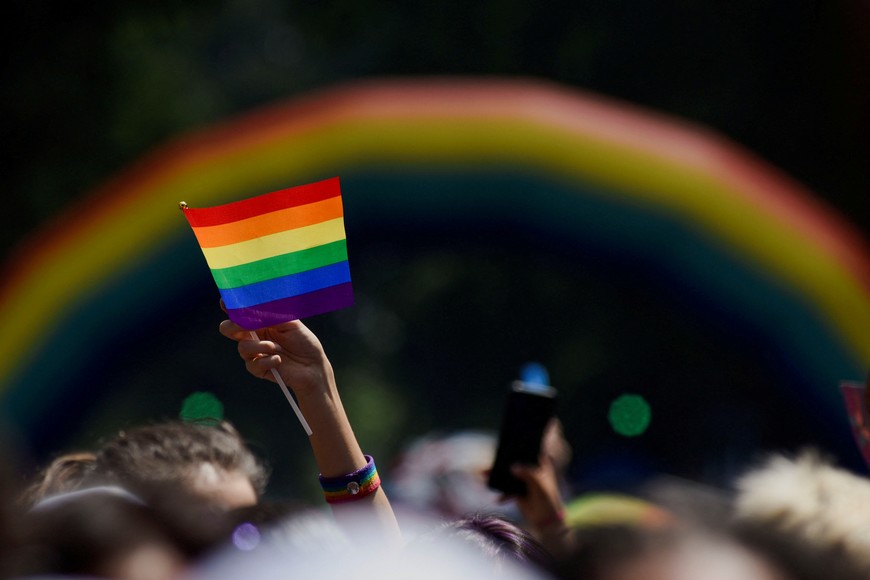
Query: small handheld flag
[(279, 256)]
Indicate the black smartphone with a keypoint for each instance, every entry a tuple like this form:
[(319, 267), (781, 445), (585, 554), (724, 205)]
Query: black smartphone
[(527, 411)]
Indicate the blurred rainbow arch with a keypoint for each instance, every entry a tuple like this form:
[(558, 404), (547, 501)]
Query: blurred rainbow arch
[(599, 171)]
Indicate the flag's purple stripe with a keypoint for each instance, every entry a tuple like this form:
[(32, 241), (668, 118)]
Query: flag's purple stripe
[(302, 306), (286, 286)]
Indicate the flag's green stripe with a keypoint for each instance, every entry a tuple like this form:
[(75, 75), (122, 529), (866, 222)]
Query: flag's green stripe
[(283, 265)]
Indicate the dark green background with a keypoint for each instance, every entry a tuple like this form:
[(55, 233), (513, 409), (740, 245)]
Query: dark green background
[(87, 89)]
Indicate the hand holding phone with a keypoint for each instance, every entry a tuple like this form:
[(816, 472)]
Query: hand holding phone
[(529, 408)]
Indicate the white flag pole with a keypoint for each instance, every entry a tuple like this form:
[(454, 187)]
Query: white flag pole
[(287, 393)]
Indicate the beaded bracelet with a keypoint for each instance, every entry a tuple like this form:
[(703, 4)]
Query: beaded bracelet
[(353, 486)]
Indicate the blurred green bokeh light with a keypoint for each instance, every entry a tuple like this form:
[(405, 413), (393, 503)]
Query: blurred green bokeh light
[(630, 415)]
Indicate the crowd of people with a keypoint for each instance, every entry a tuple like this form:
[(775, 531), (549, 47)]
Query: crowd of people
[(184, 500)]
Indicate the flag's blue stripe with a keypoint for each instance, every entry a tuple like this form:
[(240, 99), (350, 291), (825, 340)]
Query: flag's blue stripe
[(286, 286)]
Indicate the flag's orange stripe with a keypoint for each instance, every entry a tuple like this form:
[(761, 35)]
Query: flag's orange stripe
[(269, 223)]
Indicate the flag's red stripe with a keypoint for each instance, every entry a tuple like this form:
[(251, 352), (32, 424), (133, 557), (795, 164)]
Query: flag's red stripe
[(269, 202)]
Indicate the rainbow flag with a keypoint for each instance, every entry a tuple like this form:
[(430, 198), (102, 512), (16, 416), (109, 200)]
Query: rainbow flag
[(279, 256)]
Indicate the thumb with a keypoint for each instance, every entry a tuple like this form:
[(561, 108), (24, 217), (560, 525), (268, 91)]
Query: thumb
[(233, 331)]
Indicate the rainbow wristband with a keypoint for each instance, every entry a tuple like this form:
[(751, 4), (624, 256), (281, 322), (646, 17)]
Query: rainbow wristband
[(353, 486)]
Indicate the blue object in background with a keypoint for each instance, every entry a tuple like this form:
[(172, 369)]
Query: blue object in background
[(535, 376)]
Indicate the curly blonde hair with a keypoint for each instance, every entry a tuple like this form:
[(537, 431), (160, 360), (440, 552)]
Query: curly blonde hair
[(821, 510)]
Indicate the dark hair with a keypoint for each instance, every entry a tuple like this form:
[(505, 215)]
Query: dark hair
[(499, 538), (85, 532), (600, 549), (801, 558), (168, 454)]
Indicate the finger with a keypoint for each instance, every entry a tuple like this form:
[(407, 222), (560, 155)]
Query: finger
[(252, 349), (262, 366), (296, 325), (223, 306), (291, 326), (554, 446), (233, 331)]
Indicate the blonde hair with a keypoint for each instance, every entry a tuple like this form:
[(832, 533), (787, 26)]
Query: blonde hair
[(65, 473), (173, 453), (824, 508)]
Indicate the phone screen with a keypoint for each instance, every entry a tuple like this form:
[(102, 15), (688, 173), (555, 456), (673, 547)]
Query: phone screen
[(527, 412)]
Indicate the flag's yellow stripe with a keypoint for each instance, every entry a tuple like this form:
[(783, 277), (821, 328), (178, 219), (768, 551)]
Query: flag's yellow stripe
[(275, 244)]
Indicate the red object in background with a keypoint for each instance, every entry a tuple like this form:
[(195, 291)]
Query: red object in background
[(855, 396)]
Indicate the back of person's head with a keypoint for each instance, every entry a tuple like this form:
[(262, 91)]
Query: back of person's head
[(266, 513), (293, 527), (443, 475), (107, 532), (210, 461), (312, 545), (631, 552), (599, 550), (807, 514), (601, 509), (499, 539)]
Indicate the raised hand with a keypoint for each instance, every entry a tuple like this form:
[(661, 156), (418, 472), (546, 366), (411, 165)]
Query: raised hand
[(290, 348)]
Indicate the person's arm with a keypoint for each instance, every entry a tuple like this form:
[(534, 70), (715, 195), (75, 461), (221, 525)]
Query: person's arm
[(298, 355)]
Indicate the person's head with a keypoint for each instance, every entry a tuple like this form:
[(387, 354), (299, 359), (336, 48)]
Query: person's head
[(807, 514), (310, 544), (208, 461), (499, 540), (599, 509), (632, 552), (444, 475), (296, 527), (107, 532), (67, 472)]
